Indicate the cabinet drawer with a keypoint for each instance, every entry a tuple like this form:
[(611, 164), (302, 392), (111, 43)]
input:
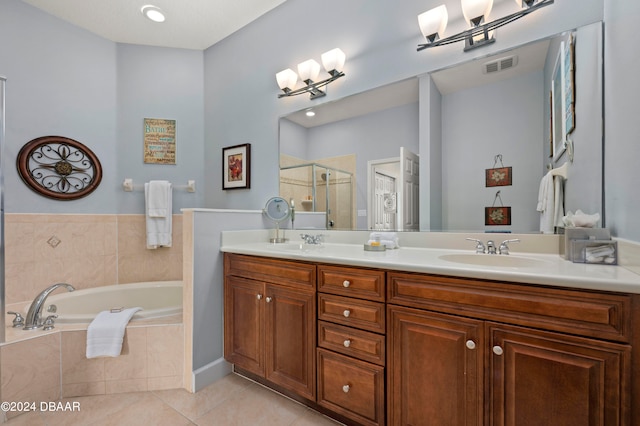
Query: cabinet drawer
[(293, 274), (354, 282), (352, 312), (596, 314), (350, 341), (350, 387)]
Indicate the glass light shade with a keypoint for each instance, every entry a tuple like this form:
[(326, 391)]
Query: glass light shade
[(309, 70), (333, 60), (433, 21), (287, 79), (472, 9)]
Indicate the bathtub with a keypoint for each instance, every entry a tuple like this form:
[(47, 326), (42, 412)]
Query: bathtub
[(156, 298)]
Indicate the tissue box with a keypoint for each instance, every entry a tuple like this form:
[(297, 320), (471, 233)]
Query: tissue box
[(571, 234), (595, 251)]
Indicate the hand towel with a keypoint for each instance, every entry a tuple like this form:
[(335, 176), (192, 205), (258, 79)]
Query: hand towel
[(388, 239), (106, 332), (158, 207), (550, 202)]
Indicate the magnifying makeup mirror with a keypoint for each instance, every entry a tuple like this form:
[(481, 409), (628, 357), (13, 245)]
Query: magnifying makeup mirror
[(277, 210)]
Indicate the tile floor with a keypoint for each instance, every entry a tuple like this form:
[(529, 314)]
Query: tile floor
[(231, 401)]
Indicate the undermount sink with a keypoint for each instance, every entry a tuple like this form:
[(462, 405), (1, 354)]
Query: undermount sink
[(293, 246), (493, 260)]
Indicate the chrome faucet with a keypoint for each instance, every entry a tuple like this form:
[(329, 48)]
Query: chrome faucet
[(491, 247), (479, 245), (312, 239), (33, 319), (504, 246)]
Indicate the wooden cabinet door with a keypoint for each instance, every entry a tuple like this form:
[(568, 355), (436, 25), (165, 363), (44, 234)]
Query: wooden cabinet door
[(244, 324), (291, 339), (435, 369), (548, 379)]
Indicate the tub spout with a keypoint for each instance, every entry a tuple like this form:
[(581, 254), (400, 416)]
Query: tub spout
[(34, 316)]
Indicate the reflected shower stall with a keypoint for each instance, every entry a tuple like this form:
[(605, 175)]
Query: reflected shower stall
[(318, 188)]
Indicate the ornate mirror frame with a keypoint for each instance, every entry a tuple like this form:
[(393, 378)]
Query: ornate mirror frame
[(59, 168)]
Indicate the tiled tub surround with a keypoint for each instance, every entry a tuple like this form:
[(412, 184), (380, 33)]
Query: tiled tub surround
[(86, 251), (52, 365), (83, 250)]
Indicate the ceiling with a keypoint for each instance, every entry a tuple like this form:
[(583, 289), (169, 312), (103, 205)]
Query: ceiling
[(193, 24)]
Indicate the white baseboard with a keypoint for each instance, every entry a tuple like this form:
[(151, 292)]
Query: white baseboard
[(204, 376)]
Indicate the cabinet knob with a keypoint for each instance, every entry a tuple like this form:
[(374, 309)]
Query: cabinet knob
[(497, 350), (470, 344), (346, 283), (347, 343), (346, 388), (268, 299), (346, 313), (259, 296)]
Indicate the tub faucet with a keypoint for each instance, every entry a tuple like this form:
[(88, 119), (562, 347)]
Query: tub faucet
[(34, 315)]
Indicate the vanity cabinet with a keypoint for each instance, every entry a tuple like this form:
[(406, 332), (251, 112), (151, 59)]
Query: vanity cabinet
[(472, 352), (351, 343), (269, 320)]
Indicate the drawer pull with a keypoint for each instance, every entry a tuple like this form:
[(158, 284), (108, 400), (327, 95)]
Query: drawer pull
[(259, 296), (269, 299), (347, 343), (346, 283), (346, 313), (346, 388), (497, 350), (471, 344)]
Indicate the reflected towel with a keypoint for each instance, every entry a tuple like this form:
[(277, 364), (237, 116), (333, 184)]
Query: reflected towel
[(158, 207), (550, 203), (106, 332)]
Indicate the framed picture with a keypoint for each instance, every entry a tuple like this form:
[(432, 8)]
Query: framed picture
[(498, 177), (563, 97), (497, 216), (568, 76), (236, 166), (557, 111), (159, 141)]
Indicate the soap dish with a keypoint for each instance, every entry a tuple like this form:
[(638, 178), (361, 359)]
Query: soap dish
[(369, 247)]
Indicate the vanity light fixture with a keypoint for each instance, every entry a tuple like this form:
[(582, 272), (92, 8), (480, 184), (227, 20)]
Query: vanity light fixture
[(433, 22), (309, 71), (153, 12), (310, 113)]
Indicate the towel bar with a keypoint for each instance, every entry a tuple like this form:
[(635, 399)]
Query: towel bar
[(127, 186)]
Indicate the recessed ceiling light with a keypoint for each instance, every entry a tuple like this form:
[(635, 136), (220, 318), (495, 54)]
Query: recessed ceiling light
[(310, 113), (153, 12)]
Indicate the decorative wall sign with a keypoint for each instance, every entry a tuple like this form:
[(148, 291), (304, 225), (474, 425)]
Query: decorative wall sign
[(159, 141), (497, 215), (236, 166), (59, 168), (500, 176)]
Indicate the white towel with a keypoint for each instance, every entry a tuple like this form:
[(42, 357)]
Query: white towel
[(388, 239), (106, 332), (550, 202), (158, 207)]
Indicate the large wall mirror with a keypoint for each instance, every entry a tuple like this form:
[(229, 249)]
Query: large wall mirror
[(357, 158)]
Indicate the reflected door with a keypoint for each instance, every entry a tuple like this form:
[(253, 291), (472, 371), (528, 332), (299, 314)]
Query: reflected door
[(384, 209)]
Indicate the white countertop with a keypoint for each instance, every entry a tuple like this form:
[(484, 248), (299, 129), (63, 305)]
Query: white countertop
[(544, 269)]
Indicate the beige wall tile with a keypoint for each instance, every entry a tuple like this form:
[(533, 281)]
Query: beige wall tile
[(30, 369), (163, 383), (76, 368), (165, 350), (125, 385), (132, 362), (71, 390)]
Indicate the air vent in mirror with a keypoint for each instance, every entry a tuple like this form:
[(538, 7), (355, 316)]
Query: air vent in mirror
[(500, 64)]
